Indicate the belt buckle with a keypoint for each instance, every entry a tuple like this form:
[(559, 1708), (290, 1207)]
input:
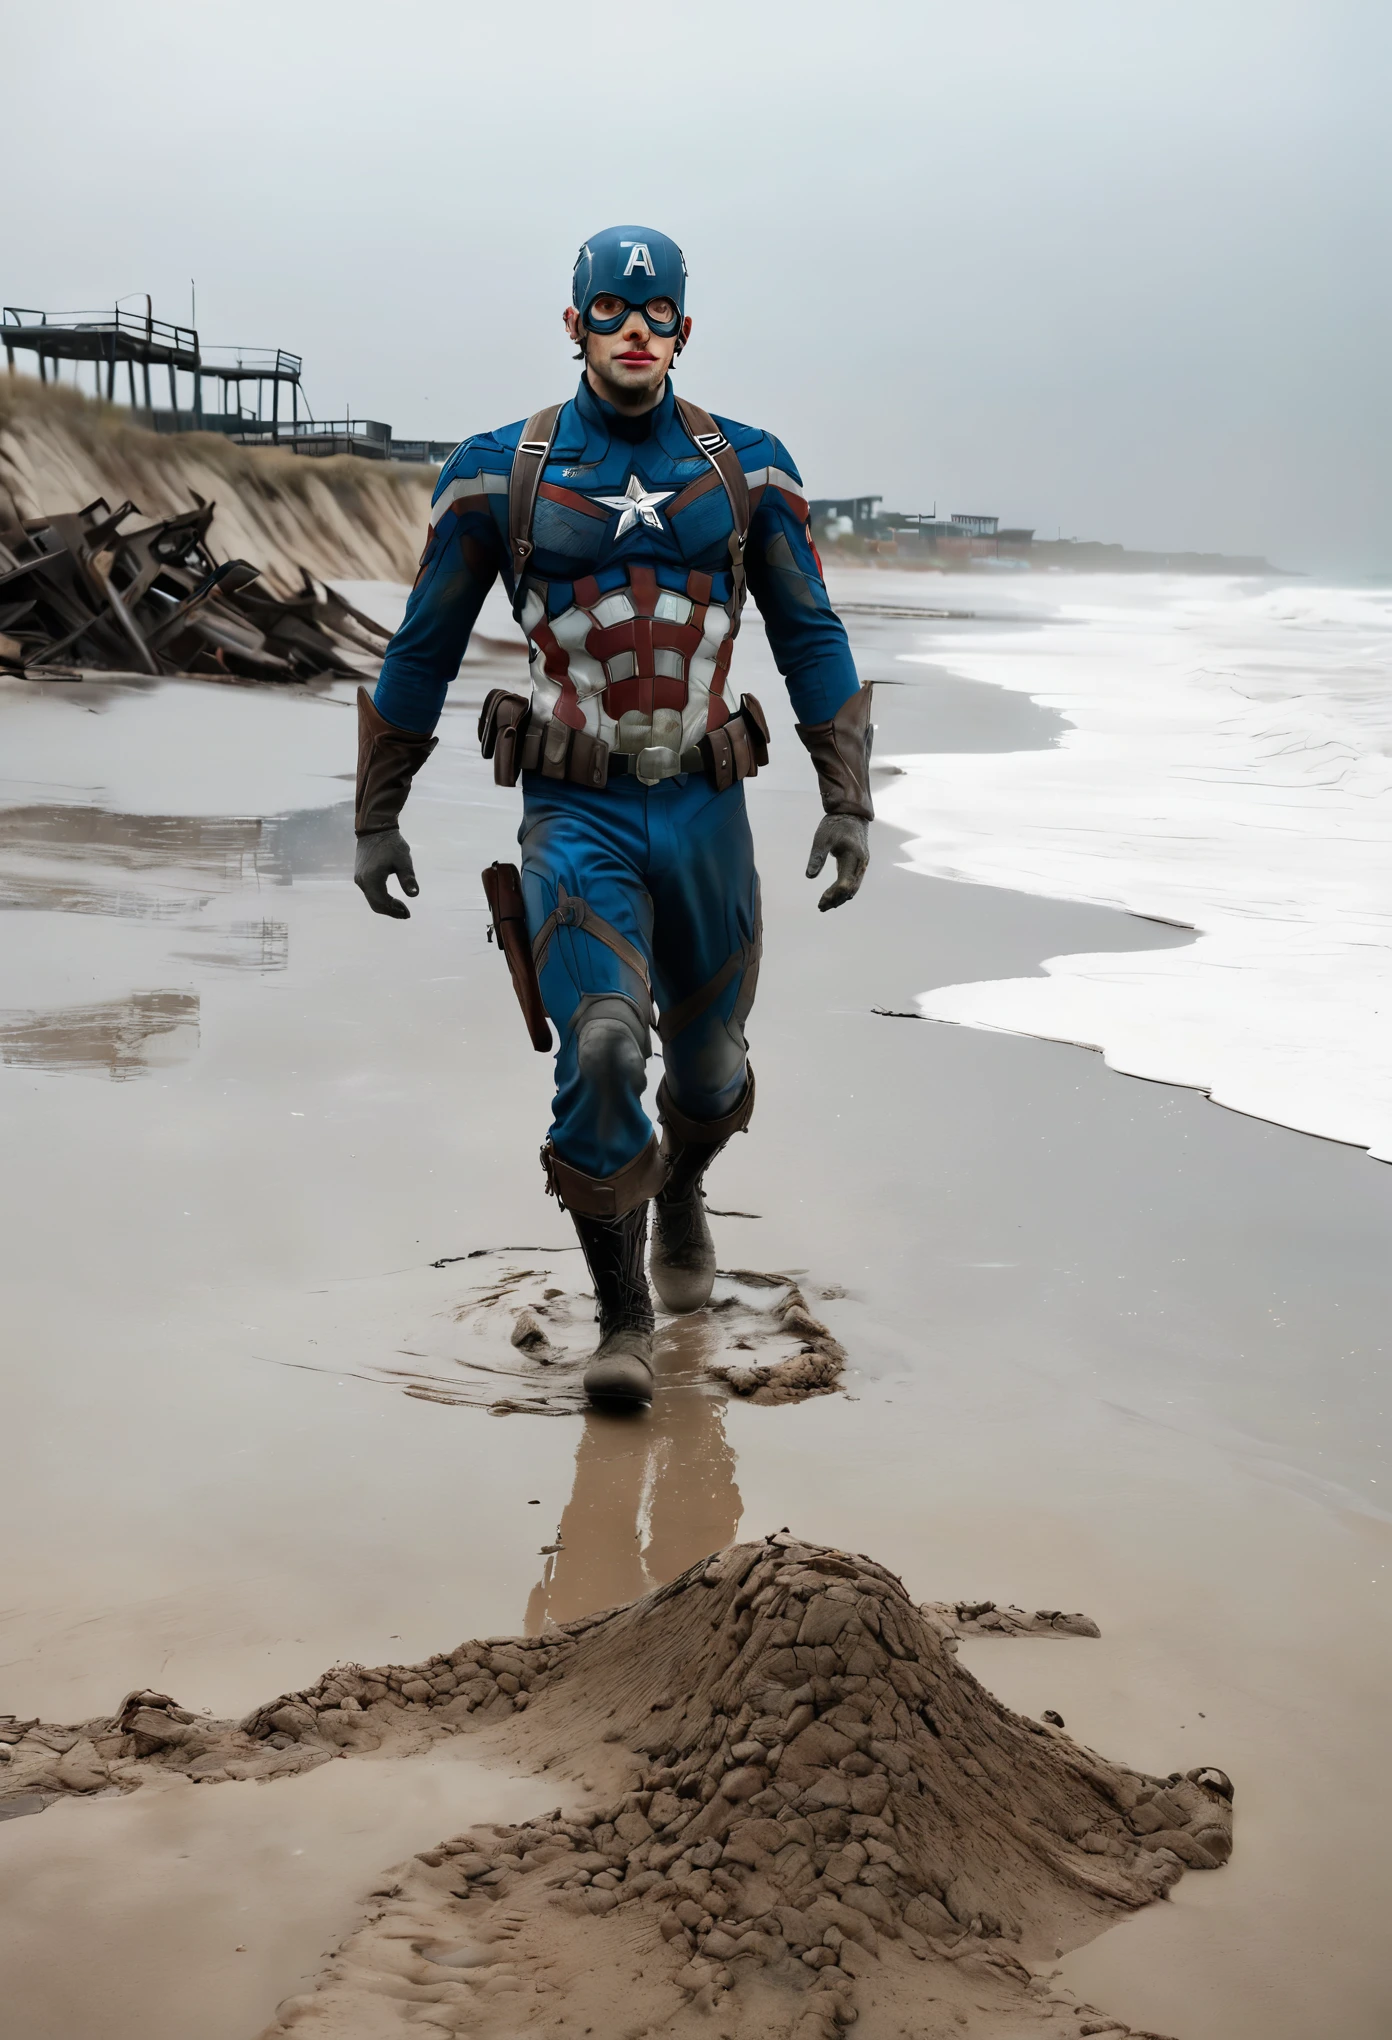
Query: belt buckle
[(656, 763)]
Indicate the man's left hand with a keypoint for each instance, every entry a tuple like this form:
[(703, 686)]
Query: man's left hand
[(847, 839)]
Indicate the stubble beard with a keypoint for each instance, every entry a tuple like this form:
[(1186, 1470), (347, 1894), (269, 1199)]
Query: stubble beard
[(625, 390)]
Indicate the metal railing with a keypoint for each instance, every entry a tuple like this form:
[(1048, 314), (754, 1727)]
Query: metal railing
[(104, 338), (252, 364), (433, 452), (130, 328), (339, 428)]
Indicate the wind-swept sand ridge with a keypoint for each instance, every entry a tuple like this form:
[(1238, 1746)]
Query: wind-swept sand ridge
[(342, 517), (809, 1812)]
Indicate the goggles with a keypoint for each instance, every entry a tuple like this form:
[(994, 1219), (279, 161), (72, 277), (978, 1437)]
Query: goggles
[(659, 314)]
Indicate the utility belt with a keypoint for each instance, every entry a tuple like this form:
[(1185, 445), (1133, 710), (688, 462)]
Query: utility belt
[(519, 742)]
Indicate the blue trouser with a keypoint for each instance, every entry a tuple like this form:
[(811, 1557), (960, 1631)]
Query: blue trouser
[(669, 869)]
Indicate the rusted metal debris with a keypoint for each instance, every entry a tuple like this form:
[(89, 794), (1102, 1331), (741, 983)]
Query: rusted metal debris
[(79, 593)]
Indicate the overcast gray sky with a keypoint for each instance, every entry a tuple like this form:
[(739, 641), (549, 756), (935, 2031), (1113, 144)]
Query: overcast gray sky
[(1118, 268)]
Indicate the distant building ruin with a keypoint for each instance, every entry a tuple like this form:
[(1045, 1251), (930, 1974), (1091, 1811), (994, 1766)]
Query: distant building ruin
[(857, 526), (117, 343), (964, 535), (856, 515)]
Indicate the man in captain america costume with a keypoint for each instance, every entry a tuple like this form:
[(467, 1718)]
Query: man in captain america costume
[(626, 525)]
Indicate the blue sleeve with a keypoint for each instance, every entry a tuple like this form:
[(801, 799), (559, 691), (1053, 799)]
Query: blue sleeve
[(807, 637), (463, 555)]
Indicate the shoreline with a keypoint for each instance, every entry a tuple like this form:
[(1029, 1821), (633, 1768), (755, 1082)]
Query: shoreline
[(1018, 1424), (1225, 770)]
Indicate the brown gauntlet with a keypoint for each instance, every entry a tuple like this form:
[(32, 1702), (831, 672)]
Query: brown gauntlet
[(388, 760), (840, 750)]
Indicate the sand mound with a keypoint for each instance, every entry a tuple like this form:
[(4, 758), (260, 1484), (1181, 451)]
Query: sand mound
[(808, 1811)]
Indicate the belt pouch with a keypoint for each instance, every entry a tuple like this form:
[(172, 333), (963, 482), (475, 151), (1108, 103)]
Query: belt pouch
[(588, 763), (502, 723), (719, 755), (555, 748), (488, 721), (756, 724), (737, 729)]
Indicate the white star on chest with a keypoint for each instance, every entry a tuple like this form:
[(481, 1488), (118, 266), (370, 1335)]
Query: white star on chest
[(636, 505)]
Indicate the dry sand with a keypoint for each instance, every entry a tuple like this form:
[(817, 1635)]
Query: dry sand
[(1106, 1346), (60, 451)]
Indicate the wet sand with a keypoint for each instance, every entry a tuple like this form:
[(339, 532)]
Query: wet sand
[(1110, 1347), (177, 1911)]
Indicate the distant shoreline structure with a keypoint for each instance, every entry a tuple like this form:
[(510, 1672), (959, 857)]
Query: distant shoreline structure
[(104, 342), (853, 530)]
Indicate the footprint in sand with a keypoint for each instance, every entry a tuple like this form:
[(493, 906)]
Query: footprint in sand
[(518, 1338)]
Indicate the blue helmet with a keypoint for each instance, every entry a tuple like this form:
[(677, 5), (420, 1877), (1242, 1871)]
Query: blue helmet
[(636, 264)]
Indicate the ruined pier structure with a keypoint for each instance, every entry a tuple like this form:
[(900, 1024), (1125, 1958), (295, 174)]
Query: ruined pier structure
[(123, 339)]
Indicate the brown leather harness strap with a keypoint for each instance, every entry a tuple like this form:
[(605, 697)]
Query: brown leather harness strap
[(528, 467), (737, 753), (534, 449), (717, 449), (573, 913), (706, 1132), (676, 1018)]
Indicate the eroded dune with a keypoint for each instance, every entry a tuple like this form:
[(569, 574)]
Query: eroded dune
[(342, 518)]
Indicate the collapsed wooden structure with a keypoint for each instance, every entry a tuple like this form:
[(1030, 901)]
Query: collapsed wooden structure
[(81, 592)]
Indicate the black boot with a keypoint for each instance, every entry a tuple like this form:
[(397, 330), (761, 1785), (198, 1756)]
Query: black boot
[(620, 1371), (610, 1214), (683, 1254)]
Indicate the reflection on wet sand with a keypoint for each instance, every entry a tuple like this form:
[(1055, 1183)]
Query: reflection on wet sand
[(232, 849), (128, 1035), (22, 893), (652, 1494), (244, 945), (124, 1037)]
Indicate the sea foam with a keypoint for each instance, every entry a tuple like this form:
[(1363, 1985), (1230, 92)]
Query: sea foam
[(1229, 767)]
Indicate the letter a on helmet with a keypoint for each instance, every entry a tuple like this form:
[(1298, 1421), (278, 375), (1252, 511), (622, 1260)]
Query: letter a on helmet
[(632, 263)]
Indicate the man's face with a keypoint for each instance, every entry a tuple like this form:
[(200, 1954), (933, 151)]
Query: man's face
[(629, 364)]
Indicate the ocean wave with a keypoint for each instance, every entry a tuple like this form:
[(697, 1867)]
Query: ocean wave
[(1228, 768)]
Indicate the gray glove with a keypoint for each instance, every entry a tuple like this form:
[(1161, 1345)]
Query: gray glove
[(382, 855), (847, 839)]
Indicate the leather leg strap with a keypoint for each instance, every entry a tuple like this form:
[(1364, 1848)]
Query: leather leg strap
[(573, 913), (605, 1196), (675, 1018), (709, 1133)]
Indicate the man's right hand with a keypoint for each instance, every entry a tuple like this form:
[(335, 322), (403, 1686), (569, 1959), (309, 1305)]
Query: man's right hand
[(382, 855)]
